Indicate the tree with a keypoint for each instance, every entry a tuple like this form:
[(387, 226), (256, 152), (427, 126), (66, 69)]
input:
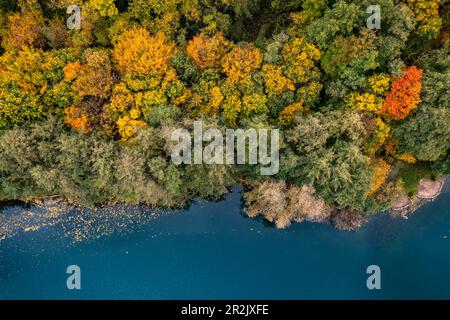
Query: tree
[(275, 81), (138, 53), (93, 77), (325, 152), (77, 119), (18, 107), (405, 94), (207, 52), (105, 8), (427, 14), (241, 61), (379, 176), (282, 204), (426, 134), (340, 20)]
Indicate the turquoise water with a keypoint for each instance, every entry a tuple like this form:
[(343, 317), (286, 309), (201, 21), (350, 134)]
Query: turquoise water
[(211, 251)]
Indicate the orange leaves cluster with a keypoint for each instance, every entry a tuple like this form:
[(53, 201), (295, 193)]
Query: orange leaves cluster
[(138, 53), (93, 77), (207, 52), (23, 30), (241, 61), (71, 70), (77, 120), (404, 95)]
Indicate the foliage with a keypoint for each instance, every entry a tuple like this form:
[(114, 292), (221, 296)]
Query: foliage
[(88, 114), (23, 29), (427, 14), (105, 8), (207, 52), (275, 81), (138, 53), (404, 95), (240, 62), (426, 135), (379, 176), (18, 107)]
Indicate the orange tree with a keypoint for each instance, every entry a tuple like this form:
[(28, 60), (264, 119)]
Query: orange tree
[(404, 95)]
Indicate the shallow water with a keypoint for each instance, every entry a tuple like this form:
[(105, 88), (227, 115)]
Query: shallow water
[(212, 251)]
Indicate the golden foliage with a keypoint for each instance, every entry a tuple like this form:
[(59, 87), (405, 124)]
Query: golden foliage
[(381, 171), (71, 70), (231, 109), (406, 157), (379, 83), (215, 101), (288, 114), (241, 61), (105, 8), (207, 52), (129, 126), (138, 53), (23, 30), (380, 135), (23, 68), (120, 102), (94, 77), (77, 120), (364, 102), (427, 14), (300, 57), (275, 81), (254, 103)]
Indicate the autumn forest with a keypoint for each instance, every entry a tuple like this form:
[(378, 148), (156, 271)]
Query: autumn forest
[(87, 113)]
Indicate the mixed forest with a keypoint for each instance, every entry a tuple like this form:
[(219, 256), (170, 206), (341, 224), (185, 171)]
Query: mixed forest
[(363, 113)]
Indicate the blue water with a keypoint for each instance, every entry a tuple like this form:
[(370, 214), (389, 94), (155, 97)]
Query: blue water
[(212, 251)]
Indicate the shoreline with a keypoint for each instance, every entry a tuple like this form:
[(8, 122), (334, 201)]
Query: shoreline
[(421, 198), (340, 219)]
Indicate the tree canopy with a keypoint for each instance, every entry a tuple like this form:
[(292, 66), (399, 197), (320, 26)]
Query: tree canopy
[(88, 113)]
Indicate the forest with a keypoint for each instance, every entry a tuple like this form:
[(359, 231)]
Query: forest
[(87, 113)]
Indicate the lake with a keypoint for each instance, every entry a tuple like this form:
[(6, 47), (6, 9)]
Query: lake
[(212, 251)]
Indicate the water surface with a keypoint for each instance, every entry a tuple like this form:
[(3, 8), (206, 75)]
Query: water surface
[(212, 251)]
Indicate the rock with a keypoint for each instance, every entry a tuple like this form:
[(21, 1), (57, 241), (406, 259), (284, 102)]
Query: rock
[(429, 189)]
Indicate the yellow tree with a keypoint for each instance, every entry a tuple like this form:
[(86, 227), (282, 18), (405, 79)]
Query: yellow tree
[(23, 30), (381, 171), (105, 8), (207, 52), (275, 81), (138, 53), (241, 61), (427, 15)]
